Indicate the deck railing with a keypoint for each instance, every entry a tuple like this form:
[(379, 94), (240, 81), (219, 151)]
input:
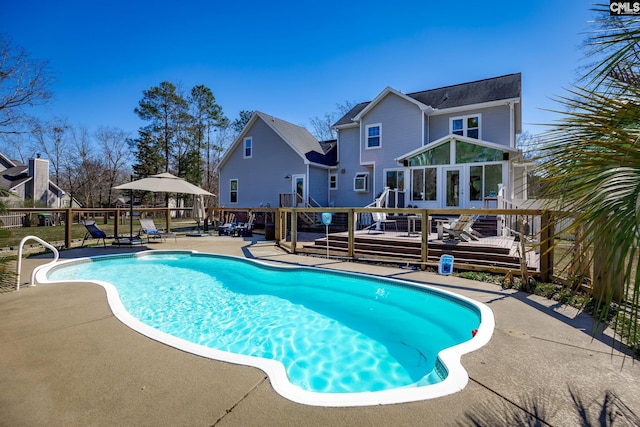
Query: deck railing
[(123, 220), (279, 226), (539, 240)]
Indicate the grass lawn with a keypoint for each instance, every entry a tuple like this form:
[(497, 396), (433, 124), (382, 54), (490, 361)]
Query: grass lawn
[(12, 237)]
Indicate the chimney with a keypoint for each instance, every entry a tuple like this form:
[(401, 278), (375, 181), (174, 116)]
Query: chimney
[(39, 173)]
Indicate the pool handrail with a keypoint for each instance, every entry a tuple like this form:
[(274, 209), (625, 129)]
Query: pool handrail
[(56, 255)]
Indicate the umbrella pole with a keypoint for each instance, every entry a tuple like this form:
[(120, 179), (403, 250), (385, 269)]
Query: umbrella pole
[(131, 215), (198, 201)]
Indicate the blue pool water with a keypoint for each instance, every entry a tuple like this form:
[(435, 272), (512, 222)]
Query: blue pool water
[(333, 332)]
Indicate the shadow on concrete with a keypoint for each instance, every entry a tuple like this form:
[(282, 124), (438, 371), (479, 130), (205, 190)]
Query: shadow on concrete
[(539, 409)]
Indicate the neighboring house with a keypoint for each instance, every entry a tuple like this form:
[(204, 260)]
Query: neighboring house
[(451, 147), (273, 162), (30, 182)]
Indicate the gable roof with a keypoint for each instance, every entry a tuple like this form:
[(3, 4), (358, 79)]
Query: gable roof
[(477, 92), (14, 176), (297, 137), (452, 137), (388, 90), (7, 162)]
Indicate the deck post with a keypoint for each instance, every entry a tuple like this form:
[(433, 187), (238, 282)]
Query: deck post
[(351, 230), (116, 223), (294, 230), (547, 232), (425, 226), (67, 228), (277, 223)]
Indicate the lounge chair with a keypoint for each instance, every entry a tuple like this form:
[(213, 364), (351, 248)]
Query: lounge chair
[(228, 225), (148, 228), (245, 229), (461, 228), (94, 232), (381, 218)]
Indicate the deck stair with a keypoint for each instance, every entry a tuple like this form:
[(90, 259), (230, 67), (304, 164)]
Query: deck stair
[(305, 220), (486, 253)]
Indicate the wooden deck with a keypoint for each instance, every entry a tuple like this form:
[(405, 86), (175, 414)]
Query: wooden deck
[(494, 252)]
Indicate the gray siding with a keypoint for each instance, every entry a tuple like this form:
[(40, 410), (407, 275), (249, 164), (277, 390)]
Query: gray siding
[(401, 123), (494, 125), (319, 185), (348, 166), (261, 178)]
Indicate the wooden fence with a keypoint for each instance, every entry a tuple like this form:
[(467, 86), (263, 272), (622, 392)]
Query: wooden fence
[(12, 220)]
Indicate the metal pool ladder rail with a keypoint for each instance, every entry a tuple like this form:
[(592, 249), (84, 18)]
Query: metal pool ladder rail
[(56, 255)]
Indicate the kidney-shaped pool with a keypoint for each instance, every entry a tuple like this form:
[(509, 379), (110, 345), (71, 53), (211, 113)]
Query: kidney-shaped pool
[(324, 337)]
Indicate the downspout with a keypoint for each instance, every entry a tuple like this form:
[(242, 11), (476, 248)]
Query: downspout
[(306, 184), (360, 146), (512, 129), (426, 141), (423, 128), (512, 142), (328, 187)]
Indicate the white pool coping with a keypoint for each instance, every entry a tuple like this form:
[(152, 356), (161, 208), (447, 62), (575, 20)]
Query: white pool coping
[(455, 381)]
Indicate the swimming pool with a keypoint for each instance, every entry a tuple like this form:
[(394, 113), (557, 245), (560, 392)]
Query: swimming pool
[(323, 337)]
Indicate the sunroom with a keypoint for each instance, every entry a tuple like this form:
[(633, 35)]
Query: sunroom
[(456, 172)]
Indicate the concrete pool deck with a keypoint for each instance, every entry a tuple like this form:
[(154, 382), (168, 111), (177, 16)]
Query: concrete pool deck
[(66, 360)]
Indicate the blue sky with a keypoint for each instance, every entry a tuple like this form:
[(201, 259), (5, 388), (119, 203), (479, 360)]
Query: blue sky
[(293, 60)]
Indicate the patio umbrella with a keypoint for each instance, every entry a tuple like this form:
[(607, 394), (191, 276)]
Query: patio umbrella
[(161, 183)]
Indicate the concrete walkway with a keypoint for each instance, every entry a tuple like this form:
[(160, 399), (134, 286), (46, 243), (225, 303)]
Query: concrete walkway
[(67, 361)]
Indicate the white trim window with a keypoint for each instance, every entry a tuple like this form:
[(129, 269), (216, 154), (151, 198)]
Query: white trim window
[(468, 126), (374, 136), (233, 191), (248, 148), (333, 181), (361, 182)]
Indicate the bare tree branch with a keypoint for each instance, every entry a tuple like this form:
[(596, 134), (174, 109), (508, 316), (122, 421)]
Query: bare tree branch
[(24, 83)]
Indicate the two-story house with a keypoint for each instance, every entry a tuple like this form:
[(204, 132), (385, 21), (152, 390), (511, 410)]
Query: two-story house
[(450, 147), (273, 162)]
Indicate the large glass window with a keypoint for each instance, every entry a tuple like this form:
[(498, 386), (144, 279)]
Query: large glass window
[(475, 183), (417, 184), (233, 191), (374, 136), (423, 184), (472, 153), (395, 179), (440, 155), (492, 177), (484, 180), (468, 126)]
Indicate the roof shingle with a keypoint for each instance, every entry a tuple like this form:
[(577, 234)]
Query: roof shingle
[(476, 92)]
